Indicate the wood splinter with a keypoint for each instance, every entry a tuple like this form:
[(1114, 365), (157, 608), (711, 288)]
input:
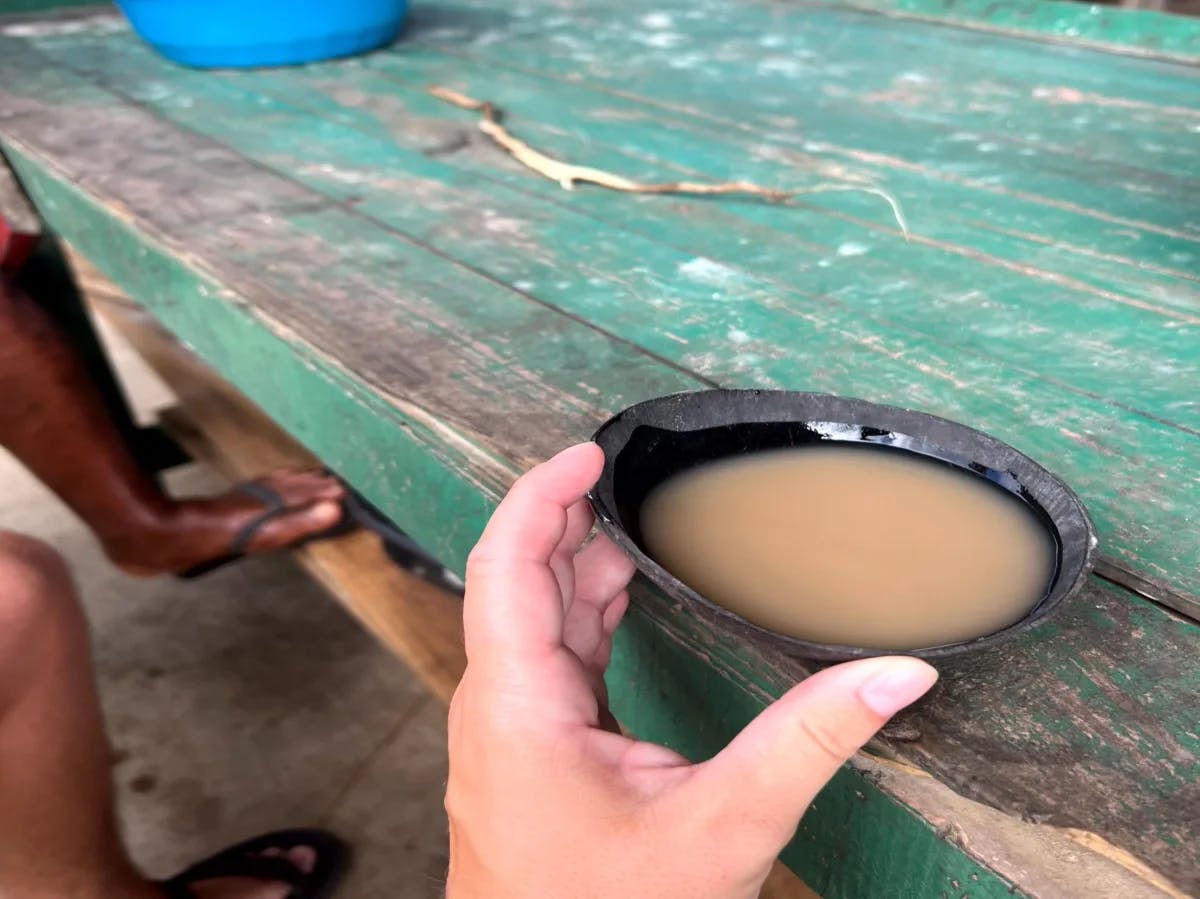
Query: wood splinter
[(567, 175)]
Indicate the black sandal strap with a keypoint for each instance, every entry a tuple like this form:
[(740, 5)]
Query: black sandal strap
[(245, 860), (174, 889), (258, 867), (274, 506)]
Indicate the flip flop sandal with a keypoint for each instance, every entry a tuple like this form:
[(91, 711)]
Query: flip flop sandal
[(245, 860), (400, 547), (357, 512), (274, 506)]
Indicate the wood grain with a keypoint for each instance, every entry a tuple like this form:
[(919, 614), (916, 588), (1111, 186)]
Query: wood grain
[(219, 426), (430, 318), (1102, 359)]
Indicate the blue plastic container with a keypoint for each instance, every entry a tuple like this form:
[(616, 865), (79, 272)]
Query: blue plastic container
[(245, 33)]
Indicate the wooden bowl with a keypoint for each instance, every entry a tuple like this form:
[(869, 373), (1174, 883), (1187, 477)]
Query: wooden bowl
[(651, 441)]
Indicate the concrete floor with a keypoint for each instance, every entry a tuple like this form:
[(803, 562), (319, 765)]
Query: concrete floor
[(248, 700)]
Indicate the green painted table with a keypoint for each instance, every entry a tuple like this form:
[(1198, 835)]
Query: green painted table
[(430, 317)]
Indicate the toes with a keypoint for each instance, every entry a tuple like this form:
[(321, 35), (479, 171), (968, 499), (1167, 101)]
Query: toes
[(298, 488), (293, 526), (303, 858)]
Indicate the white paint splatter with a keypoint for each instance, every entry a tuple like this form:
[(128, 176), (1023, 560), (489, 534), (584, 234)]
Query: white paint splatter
[(105, 23), (781, 65), (706, 271), (850, 248), (501, 224), (332, 172), (524, 286), (771, 40), (738, 336), (987, 147), (663, 40), (657, 20), (686, 60)]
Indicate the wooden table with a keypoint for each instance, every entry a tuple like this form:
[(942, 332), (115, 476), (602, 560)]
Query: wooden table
[(998, 221)]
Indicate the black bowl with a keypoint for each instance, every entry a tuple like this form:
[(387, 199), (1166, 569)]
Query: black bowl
[(651, 441)]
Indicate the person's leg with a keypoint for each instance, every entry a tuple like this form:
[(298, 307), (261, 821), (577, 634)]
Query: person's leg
[(56, 423), (58, 834)]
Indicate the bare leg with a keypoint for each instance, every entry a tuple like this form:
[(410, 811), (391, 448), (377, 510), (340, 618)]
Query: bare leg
[(54, 421), (58, 835)]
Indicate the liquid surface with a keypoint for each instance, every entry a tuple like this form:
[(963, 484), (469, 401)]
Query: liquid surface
[(856, 546)]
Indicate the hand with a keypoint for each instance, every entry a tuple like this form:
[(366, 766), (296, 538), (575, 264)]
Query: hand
[(545, 803)]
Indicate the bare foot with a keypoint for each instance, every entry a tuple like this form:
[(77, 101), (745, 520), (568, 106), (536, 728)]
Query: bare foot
[(194, 531), (302, 857)]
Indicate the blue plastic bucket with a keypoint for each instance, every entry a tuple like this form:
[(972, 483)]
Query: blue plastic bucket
[(243, 33)]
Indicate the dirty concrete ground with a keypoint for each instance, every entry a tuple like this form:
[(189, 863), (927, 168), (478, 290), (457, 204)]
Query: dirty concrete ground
[(248, 700)]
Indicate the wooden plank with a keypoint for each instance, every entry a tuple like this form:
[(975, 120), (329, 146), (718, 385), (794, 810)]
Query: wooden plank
[(1003, 231), (318, 372), (357, 425), (348, 423), (41, 9), (956, 295), (461, 224), (599, 128), (219, 426), (825, 45), (15, 207), (1139, 31)]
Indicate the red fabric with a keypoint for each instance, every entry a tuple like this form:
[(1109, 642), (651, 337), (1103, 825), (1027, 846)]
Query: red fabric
[(15, 246)]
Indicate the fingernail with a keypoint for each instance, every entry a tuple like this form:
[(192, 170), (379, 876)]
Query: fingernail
[(577, 448), (901, 683)]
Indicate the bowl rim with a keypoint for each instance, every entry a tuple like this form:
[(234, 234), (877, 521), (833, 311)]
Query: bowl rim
[(780, 406)]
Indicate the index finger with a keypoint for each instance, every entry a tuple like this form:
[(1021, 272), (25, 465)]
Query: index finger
[(513, 603)]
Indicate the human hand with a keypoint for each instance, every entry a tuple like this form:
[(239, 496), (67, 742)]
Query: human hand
[(544, 802)]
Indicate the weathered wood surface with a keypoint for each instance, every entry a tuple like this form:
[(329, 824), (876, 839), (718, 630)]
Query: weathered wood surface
[(420, 623), (930, 296), (1142, 31), (429, 318), (15, 208), (218, 426)]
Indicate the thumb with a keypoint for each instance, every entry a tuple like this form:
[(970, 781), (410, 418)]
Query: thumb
[(775, 767)]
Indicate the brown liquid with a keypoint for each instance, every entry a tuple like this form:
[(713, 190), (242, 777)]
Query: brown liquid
[(855, 546)]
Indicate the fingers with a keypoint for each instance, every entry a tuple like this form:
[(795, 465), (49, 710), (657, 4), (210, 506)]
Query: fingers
[(615, 612), (612, 618), (775, 767), (601, 572), (532, 519), (513, 608), (579, 525)]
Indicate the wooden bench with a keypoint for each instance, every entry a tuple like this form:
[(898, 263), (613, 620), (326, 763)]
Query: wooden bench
[(990, 216)]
